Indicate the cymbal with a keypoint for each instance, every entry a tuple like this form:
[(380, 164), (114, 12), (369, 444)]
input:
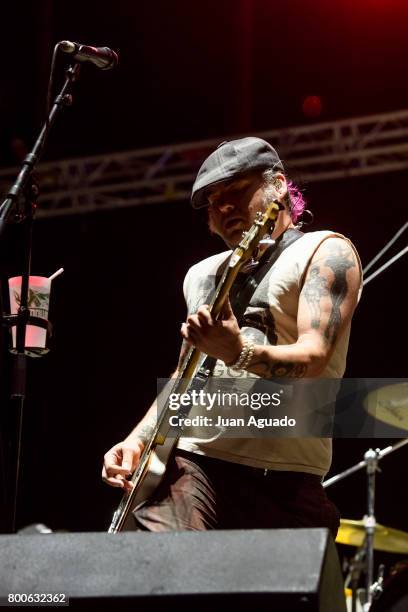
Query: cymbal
[(385, 538), (389, 404)]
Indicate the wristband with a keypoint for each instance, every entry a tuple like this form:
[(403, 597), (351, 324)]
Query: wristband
[(245, 355)]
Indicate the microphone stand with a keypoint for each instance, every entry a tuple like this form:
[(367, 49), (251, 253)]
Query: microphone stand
[(25, 187)]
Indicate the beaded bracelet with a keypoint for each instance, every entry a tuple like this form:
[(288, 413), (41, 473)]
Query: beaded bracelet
[(245, 355), (251, 348)]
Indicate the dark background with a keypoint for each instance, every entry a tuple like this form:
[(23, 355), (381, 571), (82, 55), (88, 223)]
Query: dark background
[(188, 71)]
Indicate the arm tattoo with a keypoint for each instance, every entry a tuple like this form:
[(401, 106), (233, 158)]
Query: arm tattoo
[(314, 288), (146, 431), (280, 369), (340, 260)]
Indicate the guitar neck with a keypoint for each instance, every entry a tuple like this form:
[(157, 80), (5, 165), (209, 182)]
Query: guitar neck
[(191, 360)]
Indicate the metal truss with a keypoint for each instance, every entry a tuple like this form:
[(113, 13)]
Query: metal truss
[(319, 152)]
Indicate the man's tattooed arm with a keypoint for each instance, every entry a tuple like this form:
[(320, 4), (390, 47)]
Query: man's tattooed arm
[(146, 430), (280, 369), (326, 303), (337, 258), (339, 261), (314, 289)]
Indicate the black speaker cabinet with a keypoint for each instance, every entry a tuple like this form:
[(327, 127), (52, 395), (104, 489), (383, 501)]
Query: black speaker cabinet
[(275, 570)]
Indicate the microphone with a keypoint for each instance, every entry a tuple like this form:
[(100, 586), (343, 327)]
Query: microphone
[(103, 57)]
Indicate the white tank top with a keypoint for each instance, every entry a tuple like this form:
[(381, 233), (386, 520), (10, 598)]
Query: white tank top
[(271, 318)]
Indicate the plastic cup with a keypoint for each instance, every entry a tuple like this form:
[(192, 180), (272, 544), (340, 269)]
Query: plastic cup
[(38, 303)]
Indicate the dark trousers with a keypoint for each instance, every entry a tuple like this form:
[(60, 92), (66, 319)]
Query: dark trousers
[(200, 493)]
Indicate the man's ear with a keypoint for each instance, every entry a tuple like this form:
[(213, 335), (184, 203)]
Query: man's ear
[(280, 184)]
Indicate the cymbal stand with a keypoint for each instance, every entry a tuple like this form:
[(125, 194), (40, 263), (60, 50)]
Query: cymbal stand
[(355, 567), (370, 462), (358, 466), (371, 459), (377, 587)]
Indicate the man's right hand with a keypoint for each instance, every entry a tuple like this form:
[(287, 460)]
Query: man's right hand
[(120, 461)]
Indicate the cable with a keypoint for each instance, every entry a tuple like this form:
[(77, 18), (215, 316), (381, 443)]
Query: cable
[(387, 246), (386, 265)]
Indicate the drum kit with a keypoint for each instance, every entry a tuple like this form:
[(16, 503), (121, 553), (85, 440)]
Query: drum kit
[(388, 404)]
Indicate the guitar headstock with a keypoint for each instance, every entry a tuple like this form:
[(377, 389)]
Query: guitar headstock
[(264, 224)]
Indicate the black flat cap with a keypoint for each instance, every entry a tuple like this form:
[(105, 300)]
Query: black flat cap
[(230, 159)]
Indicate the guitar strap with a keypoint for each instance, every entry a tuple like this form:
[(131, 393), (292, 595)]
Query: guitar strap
[(247, 283)]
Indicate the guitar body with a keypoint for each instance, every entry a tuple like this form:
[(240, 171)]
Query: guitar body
[(151, 478)]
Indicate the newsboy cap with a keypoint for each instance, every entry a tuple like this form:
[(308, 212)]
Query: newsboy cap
[(230, 159)]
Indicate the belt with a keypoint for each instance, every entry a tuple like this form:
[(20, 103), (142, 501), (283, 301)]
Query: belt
[(248, 470)]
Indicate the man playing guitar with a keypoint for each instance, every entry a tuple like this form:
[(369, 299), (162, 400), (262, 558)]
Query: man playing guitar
[(296, 325)]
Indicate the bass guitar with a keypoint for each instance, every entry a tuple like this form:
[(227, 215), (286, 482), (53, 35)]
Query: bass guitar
[(164, 438)]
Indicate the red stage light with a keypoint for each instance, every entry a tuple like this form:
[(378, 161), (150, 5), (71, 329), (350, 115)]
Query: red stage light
[(312, 106)]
